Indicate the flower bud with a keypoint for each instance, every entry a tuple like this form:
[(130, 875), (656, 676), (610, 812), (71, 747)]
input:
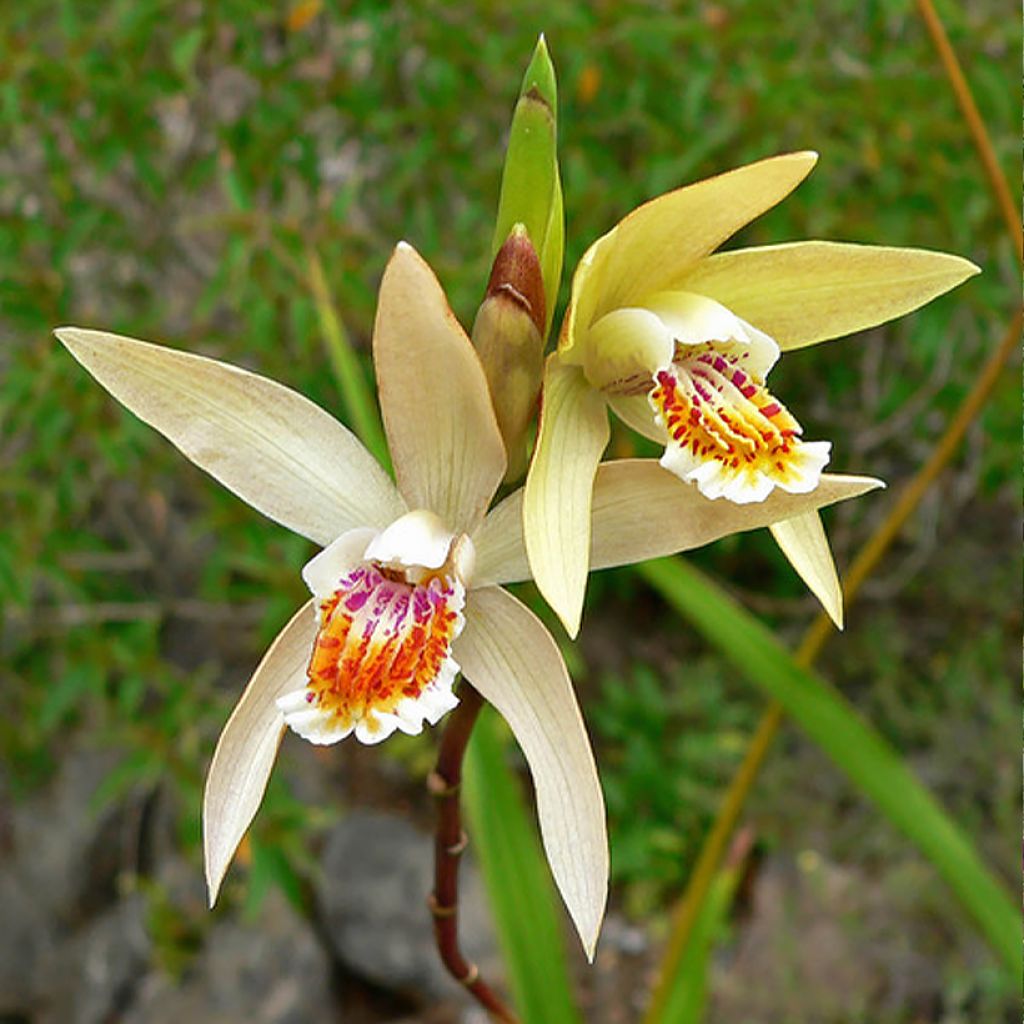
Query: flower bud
[(509, 336), (531, 190)]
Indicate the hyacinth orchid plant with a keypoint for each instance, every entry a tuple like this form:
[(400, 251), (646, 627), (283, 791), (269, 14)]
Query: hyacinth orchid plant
[(678, 341), (407, 589)]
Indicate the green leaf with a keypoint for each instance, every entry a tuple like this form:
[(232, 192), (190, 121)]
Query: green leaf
[(688, 995), (523, 901), (874, 767), (185, 50), (531, 190), (356, 390), (271, 868)]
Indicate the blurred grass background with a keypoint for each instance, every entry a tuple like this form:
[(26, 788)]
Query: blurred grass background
[(165, 168)]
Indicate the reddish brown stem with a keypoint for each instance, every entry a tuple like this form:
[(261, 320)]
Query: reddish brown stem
[(449, 843)]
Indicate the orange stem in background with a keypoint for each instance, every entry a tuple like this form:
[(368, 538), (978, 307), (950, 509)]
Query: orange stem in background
[(814, 639), (969, 109)]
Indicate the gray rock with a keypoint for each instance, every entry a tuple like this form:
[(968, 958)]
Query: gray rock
[(91, 977), (271, 971), (66, 851), (59, 866), (26, 938), (375, 874)]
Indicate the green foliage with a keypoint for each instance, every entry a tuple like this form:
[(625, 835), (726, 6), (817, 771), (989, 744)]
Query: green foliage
[(165, 171), (871, 764), (668, 745), (531, 192), (688, 996), (523, 899)]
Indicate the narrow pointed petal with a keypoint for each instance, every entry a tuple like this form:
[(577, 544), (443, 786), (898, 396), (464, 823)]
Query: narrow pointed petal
[(803, 541), (248, 746), (508, 655), (268, 444), (653, 247), (556, 509), (642, 511), (805, 292), (445, 444)]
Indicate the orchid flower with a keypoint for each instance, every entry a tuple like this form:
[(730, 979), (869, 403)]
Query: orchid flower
[(407, 589), (679, 343)]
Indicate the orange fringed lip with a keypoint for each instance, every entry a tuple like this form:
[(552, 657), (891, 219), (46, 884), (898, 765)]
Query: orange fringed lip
[(381, 641)]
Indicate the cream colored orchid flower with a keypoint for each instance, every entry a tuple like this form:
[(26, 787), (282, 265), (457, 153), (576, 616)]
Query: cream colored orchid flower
[(407, 590), (679, 343)]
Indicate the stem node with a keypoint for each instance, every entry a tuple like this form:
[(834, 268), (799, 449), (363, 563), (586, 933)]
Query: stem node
[(450, 841)]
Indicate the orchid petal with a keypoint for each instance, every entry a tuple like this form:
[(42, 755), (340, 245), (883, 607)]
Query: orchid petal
[(418, 538), (642, 511), (803, 541), (248, 746), (693, 319), (268, 444), (624, 349), (500, 545), (654, 246), (556, 509), (381, 659), (508, 655), (805, 292), (322, 572), (445, 444)]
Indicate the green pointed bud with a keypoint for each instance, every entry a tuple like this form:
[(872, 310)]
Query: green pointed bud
[(509, 336), (531, 191)]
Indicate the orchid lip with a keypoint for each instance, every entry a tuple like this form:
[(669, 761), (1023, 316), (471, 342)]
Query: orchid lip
[(727, 434), (389, 607)]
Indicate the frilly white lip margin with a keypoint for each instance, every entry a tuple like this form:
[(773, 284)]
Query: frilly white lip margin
[(695, 320), (389, 607)]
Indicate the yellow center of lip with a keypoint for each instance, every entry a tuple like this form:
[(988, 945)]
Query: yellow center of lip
[(717, 411)]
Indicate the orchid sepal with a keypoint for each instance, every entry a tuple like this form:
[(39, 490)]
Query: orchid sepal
[(678, 342)]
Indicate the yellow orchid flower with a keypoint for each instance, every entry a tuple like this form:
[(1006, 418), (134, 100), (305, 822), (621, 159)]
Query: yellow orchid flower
[(679, 342), (407, 589)]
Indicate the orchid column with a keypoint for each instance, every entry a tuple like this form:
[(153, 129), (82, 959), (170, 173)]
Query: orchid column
[(679, 342)]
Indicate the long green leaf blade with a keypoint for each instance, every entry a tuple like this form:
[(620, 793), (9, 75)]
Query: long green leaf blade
[(871, 764), (523, 900), (688, 995), (356, 390)]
